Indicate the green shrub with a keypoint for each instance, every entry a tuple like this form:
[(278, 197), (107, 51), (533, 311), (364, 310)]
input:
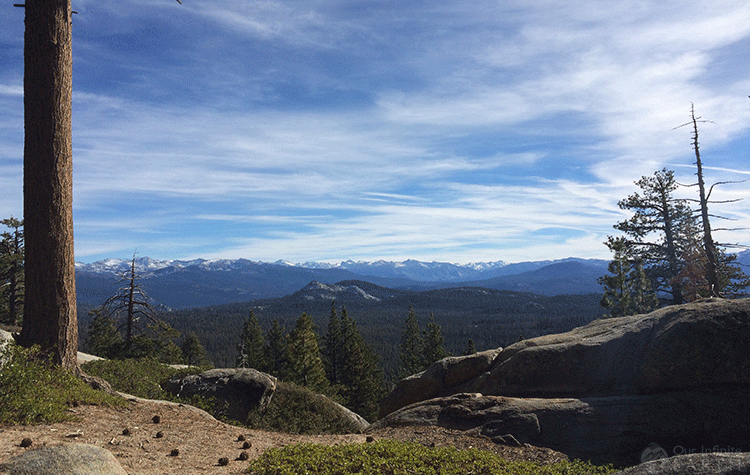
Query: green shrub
[(138, 377), (297, 410), (34, 391), (144, 378), (387, 457)]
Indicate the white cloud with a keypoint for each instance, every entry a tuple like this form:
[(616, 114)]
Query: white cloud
[(333, 130)]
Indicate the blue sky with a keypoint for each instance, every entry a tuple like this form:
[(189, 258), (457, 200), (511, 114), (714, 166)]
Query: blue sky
[(330, 130)]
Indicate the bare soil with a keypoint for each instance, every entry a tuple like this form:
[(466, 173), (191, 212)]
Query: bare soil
[(130, 433)]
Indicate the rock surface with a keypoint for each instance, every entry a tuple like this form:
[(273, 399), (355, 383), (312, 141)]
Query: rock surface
[(695, 464), (602, 429), (358, 422), (679, 376), (444, 375), (69, 459), (237, 390), (685, 346)]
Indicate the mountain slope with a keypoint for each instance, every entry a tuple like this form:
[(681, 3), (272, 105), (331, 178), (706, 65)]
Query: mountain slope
[(567, 277), (200, 282)]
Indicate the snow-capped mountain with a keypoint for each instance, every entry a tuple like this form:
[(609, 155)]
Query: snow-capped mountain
[(412, 269), (203, 282), (146, 265)]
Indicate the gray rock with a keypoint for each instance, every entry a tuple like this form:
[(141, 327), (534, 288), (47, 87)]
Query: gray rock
[(695, 464), (70, 459), (679, 376), (358, 422), (613, 429), (694, 345), (237, 390), (685, 346), (441, 377)]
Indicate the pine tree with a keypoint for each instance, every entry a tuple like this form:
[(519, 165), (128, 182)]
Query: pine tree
[(655, 232), (333, 350), (159, 342), (471, 348), (411, 347), (306, 364), (50, 319), (193, 352), (627, 291), (103, 338), (251, 348), (433, 344), (11, 272), (277, 351), (361, 378)]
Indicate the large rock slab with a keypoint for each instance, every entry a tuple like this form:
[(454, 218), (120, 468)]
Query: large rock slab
[(236, 390), (70, 459), (679, 377), (602, 429), (695, 464), (441, 377), (685, 346), (695, 345)]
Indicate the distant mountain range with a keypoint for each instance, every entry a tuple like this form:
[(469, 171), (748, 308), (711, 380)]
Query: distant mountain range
[(198, 283)]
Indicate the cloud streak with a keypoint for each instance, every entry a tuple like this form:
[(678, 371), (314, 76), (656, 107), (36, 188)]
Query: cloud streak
[(351, 130)]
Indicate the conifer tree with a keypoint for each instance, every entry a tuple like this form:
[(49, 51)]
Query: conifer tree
[(433, 344), (627, 291), (361, 377), (11, 272), (251, 348), (411, 347), (655, 232), (306, 365), (50, 319), (193, 352), (277, 351), (471, 348), (333, 350), (103, 337)]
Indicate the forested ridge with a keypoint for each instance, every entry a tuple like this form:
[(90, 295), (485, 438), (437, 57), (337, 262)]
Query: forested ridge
[(490, 318)]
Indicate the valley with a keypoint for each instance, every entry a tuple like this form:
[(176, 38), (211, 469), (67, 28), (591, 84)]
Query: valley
[(491, 304)]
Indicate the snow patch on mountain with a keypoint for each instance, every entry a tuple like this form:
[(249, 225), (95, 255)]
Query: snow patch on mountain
[(316, 291)]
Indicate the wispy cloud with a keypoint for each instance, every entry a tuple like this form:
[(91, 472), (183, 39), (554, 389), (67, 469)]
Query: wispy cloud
[(334, 130)]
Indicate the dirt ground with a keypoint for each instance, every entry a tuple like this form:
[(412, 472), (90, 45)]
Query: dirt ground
[(130, 433)]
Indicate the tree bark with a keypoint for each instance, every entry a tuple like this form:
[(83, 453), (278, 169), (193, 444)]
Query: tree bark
[(708, 241), (50, 318)]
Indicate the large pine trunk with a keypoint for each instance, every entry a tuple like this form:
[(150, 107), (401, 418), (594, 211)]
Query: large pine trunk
[(50, 318)]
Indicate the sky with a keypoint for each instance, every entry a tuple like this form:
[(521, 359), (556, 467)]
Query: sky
[(330, 130)]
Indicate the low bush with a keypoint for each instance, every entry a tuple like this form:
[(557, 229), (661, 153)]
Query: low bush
[(387, 457), (34, 391), (139, 377), (297, 410)]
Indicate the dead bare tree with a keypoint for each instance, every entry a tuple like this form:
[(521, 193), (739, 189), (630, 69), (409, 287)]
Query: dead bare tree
[(130, 303), (712, 253)]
